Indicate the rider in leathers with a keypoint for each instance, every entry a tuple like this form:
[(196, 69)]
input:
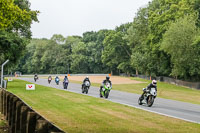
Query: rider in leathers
[(86, 79), (104, 82), (148, 88)]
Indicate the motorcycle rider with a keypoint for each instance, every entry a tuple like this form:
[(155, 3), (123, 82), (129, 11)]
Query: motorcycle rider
[(107, 80), (57, 79), (49, 79), (65, 80), (86, 79), (35, 77), (153, 84)]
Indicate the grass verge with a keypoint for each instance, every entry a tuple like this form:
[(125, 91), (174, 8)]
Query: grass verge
[(3, 125), (76, 113)]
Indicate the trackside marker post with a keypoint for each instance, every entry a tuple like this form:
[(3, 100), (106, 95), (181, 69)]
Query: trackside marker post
[(2, 71)]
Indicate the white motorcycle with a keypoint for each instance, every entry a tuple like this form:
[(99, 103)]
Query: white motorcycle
[(86, 87), (148, 97)]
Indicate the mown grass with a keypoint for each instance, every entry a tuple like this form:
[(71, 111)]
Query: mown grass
[(165, 90), (75, 113)]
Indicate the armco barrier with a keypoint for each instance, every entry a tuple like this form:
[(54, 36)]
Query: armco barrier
[(22, 118)]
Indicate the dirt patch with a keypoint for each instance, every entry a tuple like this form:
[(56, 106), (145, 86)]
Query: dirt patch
[(99, 79)]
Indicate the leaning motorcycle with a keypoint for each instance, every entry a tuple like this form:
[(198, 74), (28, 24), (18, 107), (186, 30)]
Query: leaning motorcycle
[(148, 97), (65, 83), (105, 93), (86, 87)]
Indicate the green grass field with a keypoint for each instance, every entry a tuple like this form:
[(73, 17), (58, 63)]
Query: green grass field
[(165, 90), (3, 125), (76, 113)]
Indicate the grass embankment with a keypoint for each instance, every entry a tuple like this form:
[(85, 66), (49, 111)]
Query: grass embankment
[(3, 125), (76, 113), (165, 90)]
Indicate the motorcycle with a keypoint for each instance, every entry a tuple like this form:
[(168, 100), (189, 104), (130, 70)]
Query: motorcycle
[(49, 80), (86, 87), (105, 93), (57, 81), (35, 78), (148, 97), (65, 83)]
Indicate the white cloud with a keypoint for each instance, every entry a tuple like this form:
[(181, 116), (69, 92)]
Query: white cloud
[(74, 17)]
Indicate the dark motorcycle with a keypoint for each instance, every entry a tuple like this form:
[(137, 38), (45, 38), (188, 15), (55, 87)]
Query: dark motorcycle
[(49, 79), (35, 78), (86, 87), (148, 97), (65, 83)]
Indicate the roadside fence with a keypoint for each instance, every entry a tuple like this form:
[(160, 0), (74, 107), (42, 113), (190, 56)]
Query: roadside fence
[(22, 118)]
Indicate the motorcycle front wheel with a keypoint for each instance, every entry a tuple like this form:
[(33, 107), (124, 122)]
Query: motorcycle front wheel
[(107, 94), (150, 101), (86, 90)]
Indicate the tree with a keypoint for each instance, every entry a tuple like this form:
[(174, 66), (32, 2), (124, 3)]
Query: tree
[(79, 58), (58, 38), (178, 42), (116, 52), (136, 38), (15, 21), (161, 13)]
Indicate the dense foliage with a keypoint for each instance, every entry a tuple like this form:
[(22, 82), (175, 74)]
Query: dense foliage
[(15, 22), (162, 40)]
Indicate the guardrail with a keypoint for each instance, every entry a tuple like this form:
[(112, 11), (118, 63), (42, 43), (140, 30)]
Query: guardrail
[(22, 118)]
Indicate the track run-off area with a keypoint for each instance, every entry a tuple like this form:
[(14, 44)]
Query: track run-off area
[(171, 108)]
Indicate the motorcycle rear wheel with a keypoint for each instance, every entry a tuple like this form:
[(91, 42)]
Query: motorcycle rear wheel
[(140, 101)]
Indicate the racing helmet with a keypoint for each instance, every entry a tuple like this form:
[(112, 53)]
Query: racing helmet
[(107, 77), (154, 82)]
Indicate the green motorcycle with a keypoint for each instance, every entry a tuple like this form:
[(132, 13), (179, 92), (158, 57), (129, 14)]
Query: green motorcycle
[(105, 90)]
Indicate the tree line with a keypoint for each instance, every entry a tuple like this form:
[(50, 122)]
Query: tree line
[(162, 40), (15, 22)]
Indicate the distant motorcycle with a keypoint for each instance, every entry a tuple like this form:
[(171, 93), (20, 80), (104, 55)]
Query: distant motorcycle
[(149, 97), (65, 83), (35, 78), (57, 81), (86, 87), (105, 93), (49, 79)]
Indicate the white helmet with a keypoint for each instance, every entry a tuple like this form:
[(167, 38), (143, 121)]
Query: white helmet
[(154, 82), (87, 77)]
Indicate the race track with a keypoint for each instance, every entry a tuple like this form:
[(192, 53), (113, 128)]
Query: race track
[(181, 110)]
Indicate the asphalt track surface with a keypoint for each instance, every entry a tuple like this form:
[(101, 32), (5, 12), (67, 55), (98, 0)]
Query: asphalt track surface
[(171, 108)]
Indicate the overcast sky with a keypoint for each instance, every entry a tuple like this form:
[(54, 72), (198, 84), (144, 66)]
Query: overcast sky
[(74, 17)]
